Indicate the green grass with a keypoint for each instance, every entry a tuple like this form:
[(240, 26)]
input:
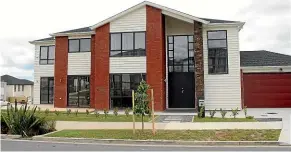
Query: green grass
[(196, 135), (208, 119), (91, 117)]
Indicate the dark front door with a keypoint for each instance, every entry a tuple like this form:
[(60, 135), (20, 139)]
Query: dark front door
[(181, 72), (181, 90)]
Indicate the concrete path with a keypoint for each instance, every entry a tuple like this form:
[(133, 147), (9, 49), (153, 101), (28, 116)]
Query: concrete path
[(284, 113), (60, 125)]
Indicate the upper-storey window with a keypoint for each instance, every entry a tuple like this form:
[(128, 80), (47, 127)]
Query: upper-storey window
[(217, 52), (47, 55), (127, 44), (80, 45)]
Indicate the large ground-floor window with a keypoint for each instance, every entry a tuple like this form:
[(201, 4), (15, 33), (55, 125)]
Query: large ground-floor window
[(79, 91), (120, 88), (46, 90)]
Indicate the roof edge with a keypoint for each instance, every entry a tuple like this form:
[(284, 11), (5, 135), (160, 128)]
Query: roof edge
[(72, 34), (131, 9)]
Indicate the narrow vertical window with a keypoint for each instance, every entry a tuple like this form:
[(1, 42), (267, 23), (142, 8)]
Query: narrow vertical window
[(217, 52)]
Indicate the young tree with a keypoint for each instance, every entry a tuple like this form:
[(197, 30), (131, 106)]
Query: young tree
[(142, 101)]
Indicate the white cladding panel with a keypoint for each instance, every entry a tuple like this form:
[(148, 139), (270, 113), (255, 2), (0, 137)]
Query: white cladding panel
[(127, 65), (79, 63), (40, 71), (134, 21), (223, 90)]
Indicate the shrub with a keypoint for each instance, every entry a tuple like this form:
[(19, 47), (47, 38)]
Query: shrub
[(245, 111), (76, 113), (57, 112), (127, 110), (105, 112), (200, 114), (47, 111), (115, 111), (21, 121), (69, 111), (234, 112), (212, 113), (250, 117), (48, 126), (223, 113), (96, 113), (87, 112), (38, 108), (4, 127)]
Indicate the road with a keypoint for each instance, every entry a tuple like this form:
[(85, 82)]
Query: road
[(27, 145)]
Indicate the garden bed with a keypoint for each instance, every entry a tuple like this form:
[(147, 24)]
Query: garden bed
[(193, 135), (81, 116), (215, 119)]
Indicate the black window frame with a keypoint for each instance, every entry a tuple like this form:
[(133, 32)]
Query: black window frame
[(79, 48), (22, 87), (48, 87), (217, 57), (79, 78), (47, 57), (134, 50), (190, 66), (121, 90), (14, 87)]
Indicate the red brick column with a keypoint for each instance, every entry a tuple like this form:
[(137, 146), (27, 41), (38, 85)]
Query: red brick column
[(61, 71), (92, 79), (156, 55), (101, 67)]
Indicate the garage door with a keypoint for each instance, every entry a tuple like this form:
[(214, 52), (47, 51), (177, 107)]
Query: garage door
[(272, 90)]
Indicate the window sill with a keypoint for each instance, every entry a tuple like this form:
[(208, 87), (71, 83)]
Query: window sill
[(80, 52), (128, 56), (47, 64), (218, 73)]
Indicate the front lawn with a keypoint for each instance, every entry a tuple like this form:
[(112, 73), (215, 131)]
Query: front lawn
[(214, 119), (194, 135)]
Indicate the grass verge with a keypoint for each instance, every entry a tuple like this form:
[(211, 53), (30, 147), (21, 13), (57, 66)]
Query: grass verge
[(194, 135), (208, 119)]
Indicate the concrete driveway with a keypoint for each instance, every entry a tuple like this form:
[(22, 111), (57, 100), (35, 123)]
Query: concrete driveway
[(284, 113)]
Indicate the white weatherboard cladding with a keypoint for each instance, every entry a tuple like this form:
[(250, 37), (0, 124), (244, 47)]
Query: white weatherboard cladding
[(127, 65), (134, 21), (40, 71), (223, 90), (79, 63)]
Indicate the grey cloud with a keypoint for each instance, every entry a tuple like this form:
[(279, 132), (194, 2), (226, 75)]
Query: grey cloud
[(267, 26)]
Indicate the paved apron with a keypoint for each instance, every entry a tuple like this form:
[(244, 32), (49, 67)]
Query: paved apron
[(174, 118)]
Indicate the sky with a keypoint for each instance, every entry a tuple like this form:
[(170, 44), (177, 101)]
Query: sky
[(267, 27)]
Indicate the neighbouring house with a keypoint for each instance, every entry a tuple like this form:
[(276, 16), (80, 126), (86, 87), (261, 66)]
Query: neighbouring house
[(182, 57), (15, 87), (2, 91)]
